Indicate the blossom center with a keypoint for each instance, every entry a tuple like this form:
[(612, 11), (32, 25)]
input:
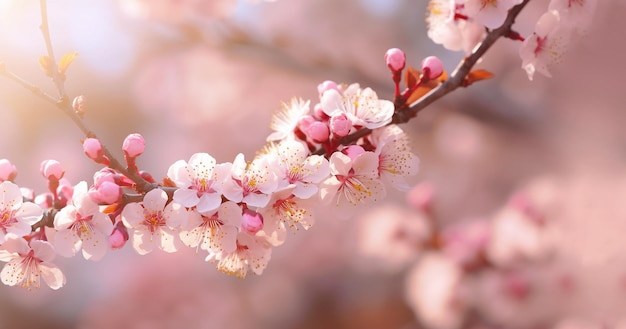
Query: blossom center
[(153, 220)]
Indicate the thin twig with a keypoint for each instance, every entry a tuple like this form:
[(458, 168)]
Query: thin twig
[(54, 71)]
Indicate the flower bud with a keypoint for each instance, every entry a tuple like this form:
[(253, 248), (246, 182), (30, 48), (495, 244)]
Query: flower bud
[(251, 221), (134, 145), (395, 59), (51, 169), (433, 65), (353, 151), (79, 105), (340, 125), (93, 148), (7, 170), (327, 85), (119, 236), (318, 132), (107, 192)]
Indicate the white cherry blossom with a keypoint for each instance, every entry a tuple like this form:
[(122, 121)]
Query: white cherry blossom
[(252, 182), (300, 170), (28, 263), (352, 182), (575, 13), (361, 106), (545, 46), (286, 119), (490, 13), (454, 34), (215, 231), (81, 225), (153, 222), (16, 216), (252, 253), (198, 181), (396, 161)]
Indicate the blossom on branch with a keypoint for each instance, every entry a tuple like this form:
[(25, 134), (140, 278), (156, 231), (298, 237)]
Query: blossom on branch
[(361, 106), (28, 262), (214, 231), (197, 182), (354, 180), (154, 223), (16, 216), (81, 225), (545, 46)]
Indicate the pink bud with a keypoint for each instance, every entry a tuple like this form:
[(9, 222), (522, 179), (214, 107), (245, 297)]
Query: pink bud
[(318, 132), (51, 169), (395, 59), (107, 192), (93, 148), (134, 145), (147, 176), (434, 66), (318, 112), (103, 175), (353, 151), (305, 122), (340, 125), (44, 200), (251, 221), (118, 237), (327, 85), (7, 170)]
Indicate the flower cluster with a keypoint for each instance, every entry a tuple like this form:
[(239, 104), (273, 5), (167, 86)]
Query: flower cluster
[(234, 212), (461, 25)]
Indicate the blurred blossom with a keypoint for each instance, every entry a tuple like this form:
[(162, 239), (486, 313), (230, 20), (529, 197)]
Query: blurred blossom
[(517, 237), (391, 237), (432, 292), (465, 243), (177, 12)]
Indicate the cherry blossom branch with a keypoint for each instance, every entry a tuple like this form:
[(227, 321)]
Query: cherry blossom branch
[(405, 113), (64, 105), (457, 79)]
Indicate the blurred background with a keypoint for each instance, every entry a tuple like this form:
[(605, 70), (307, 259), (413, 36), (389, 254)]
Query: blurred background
[(518, 215)]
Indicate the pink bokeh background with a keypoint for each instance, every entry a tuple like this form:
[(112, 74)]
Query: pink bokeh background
[(205, 76)]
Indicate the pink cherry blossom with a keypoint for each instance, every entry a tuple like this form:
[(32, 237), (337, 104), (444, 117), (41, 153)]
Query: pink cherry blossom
[(289, 210), (252, 182), (214, 231), (28, 263), (252, 253), (352, 182), (198, 181), (575, 13), (300, 169), (153, 222), (454, 34), (396, 161), (81, 225), (490, 13), (361, 106), (545, 46), (286, 119), (16, 216), (432, 291), (7, 170)]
